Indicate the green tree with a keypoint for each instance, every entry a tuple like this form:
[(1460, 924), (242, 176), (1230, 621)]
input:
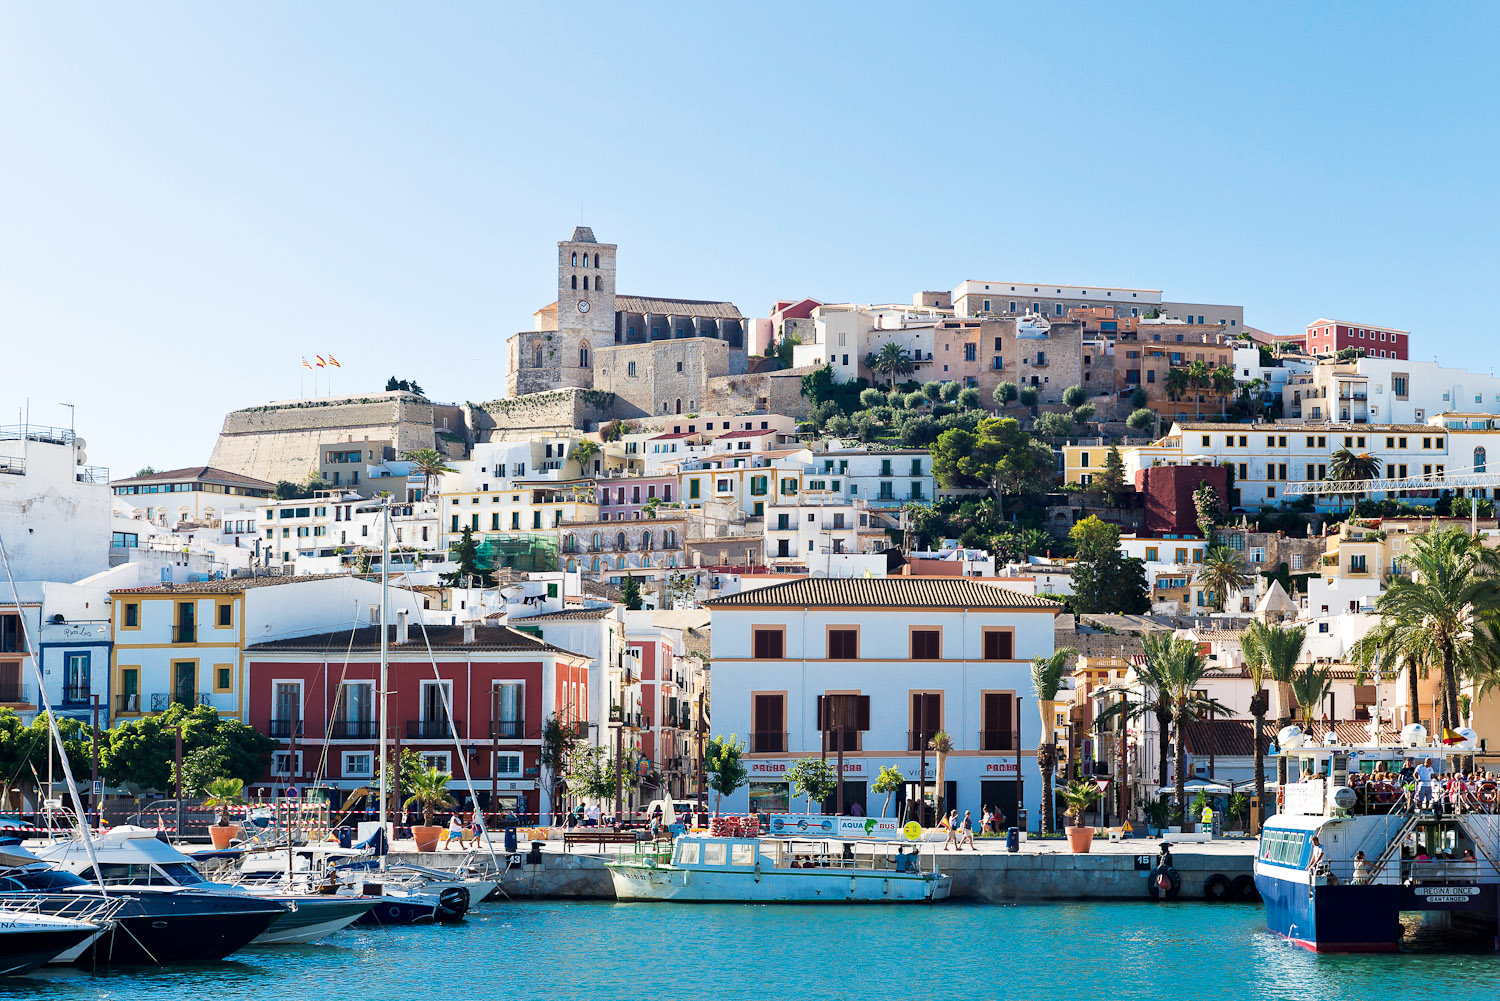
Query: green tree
[(1223, 573), (914, 400), (892, 361), (429, 792), (1080, 795), (941, 745), (1179, 668), (949, 391), (1310, 687), (1141, 420), (1074, 396), (430, 464), (999, 455), (1199, 377), (146, 471), (140, 752), (1083, 414), (1005, 392), (812, 778), (933, 390), (584, 452), (559, 739), (1139, 397), (1047, 675), (723, 764), (1029, 396), (1271, 655), (968, 398), (1053, 425), (591, 774), (1347, 467), (630, 593), (1221, 381), (871, 397), (1209, 509), (786, 350), (1105, 580), (1111, 481), (1177, 382), (201, 767), (889, 781), (465, 552)]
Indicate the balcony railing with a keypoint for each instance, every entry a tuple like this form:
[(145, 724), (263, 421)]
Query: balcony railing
[(916, 740), (162, 701), (996, 740), (767, 742), (431, 729), (353, 729), (76, 695), (284, 728), (184, 633), (15, 692), (507, 729), (128, 703)]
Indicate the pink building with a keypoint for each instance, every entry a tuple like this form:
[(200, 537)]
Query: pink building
[(625, 500), (1325, 336)]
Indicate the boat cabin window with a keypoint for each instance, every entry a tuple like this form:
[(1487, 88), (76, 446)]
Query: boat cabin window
[(123, 874), (742, 854), (1282, 847), (184, 874), (714, 853), (687, 853)]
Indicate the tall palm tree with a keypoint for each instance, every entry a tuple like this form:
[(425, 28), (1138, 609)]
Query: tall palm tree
[(1176, 382), (1271, 655), (1310, 688), (1047, 677), (1154, 705), (1180, 669), (1222, 381), (892, 361), (430, 463), (1223, 572), (941, 745), (1346, 466), (1443, 615), (1198, 374)]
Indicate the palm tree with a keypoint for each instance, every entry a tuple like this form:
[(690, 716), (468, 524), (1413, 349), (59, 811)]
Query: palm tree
[(430, 463), (1199, 375), (1180, 669), (429, 790), (1443, 615), (584, 452), (941, 744), (1310, 688), (1271, 654), (1223, 572), (1154, 705), (1344, 466), (1176, 382), (871, 361), (1047, 677), (892, 361), (1222, 381)]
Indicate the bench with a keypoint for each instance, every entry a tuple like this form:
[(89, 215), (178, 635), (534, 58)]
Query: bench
[(597, 835)]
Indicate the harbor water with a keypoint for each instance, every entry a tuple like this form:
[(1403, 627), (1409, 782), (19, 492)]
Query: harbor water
[(610, 952)]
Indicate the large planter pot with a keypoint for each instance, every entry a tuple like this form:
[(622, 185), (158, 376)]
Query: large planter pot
[(426, 837), (223, 834), (1080, 839)]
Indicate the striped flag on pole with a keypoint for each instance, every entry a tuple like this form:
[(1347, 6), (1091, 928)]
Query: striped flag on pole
[(320, 361), (304, 362), (334, 362)]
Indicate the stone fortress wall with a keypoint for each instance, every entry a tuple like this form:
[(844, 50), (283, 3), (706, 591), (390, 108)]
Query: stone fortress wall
[(280, 441)]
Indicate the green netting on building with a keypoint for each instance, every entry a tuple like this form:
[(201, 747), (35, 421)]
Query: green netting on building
[(529, 551)]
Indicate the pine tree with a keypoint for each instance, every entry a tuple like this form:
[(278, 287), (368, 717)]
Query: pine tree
[(630, 594), (1112, 478)]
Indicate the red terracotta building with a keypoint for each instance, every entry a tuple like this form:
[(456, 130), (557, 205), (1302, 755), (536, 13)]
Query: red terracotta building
[(317, 697)]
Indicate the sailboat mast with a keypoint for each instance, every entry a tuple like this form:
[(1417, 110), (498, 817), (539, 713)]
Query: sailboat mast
[(385, 657)]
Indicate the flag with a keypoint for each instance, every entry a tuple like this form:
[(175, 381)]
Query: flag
[(1450, 737), (320, 361), (304, 362), (334, 362)]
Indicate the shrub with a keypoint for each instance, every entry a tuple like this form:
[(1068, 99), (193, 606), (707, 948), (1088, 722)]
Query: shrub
[(949, 392), (1005, 392), (1029, 396), (1083, 414), (1059, 425), (1074, 396), (915, 400), (932, 389), (1138, 397), (968, 398), (871, 397), (1141, 420)]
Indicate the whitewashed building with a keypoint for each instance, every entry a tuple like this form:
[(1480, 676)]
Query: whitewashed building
[(54, 509), (896, 660)]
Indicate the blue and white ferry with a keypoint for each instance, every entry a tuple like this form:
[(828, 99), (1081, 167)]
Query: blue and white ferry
[(1396, 855)]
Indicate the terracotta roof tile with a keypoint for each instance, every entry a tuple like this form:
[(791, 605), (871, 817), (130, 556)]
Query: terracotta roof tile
[(499, 639), (230, 585), (677, 307), (883, 592)]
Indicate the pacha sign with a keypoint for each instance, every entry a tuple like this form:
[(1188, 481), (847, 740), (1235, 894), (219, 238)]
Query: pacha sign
[(999, 768), (854, 768)]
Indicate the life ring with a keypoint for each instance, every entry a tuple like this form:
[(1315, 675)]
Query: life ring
[(1216, 887), (1244, 889), (1165, 882), (1280, 799)]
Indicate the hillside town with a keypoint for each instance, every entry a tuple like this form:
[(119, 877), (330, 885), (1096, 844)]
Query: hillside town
[(937, 544)]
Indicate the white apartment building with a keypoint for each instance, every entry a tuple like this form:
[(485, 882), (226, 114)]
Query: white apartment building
[(338, 525), (844, 333), (977, 297), (815, 524), (54, 510), (885, 479), (63, 630), (880, 664)]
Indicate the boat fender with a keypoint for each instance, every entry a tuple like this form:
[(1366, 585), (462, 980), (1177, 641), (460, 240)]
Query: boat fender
[(1216, 887), (1244, 889), (1165, 883), (453, 903), (757, 870)]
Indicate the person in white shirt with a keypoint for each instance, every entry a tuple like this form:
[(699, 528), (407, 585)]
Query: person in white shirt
[(593, 815), (1424, 776), (1315, 858)]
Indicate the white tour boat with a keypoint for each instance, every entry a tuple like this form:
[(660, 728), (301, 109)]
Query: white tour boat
[(706, 868)]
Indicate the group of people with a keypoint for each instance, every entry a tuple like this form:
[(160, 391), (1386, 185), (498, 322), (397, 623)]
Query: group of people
[(1423, 787)]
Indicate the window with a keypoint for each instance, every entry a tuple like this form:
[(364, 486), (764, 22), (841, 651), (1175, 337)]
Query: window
[(998, 716), (286, 763), (999, 644), (76, 686), (768, 722), (926, 718), (226, 615), (843, 643), (768, 642), (132, 613), (358, 764), (926, 643), (1151, 552), (223, 677)]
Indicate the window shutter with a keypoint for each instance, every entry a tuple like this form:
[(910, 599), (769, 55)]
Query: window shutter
[(863, 712), (822, 720)]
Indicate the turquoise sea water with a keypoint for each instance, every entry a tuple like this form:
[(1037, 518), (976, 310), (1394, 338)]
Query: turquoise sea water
[(623, 952)]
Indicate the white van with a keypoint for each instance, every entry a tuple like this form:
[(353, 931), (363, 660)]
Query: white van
[(673, 811)]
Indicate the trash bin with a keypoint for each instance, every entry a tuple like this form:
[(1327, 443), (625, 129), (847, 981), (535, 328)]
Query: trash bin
[(345, 836), (511, 844), (1013, 839)]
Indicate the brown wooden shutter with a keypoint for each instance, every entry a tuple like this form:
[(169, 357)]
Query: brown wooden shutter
[(822, 715), (862, 711)]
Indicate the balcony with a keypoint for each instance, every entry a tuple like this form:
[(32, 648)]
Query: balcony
[(996, 740), (15, 693), (285, 728), (507, 729), (77, 695), (353, 729), (128, 703), (432, 729), (162, 701), (767, 742), (184, 633)]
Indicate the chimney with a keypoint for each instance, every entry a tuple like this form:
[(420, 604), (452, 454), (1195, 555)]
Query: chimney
[(403, 633), (469, 633)]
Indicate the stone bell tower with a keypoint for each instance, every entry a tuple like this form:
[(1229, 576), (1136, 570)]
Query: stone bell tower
[(585, 304)]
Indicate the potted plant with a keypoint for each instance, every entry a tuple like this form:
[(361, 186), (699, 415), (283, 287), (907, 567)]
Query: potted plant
[(429, 790), (222, 793), (1079, 795), (1157, 812)]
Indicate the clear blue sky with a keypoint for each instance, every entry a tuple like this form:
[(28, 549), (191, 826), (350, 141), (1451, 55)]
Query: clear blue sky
[(196, 195)]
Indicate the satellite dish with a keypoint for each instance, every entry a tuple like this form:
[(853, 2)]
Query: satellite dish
[(1470, 738), (1330, 739), (1413, 735), (1344, 798), (83, 457), (80, 444), (1290, 737)]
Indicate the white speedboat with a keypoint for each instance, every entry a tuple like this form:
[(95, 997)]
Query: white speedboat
[(705, 868), (30, 939)]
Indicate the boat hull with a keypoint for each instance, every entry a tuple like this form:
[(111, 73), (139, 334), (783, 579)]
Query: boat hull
[(643, 883), (24, 951), (1341, 918), (313, 918)]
